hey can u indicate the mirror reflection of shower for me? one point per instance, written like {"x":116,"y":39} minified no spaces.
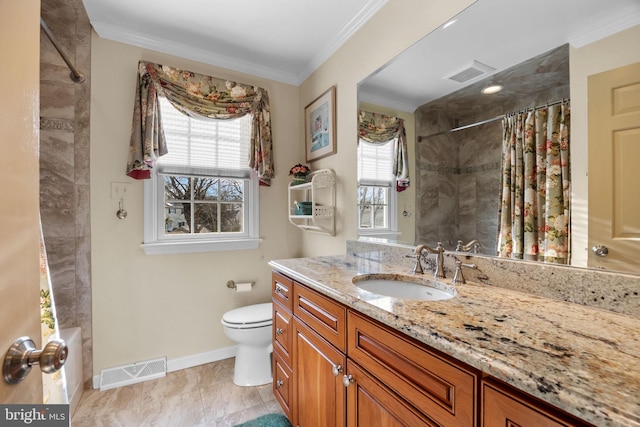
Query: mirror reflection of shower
{"x":458,"y":173}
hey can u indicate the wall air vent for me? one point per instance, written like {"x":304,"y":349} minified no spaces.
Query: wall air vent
{"x":473,"y":71}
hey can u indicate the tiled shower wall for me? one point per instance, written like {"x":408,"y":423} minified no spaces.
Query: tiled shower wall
{"x":458,"y":173}
{"x":64,"y":166}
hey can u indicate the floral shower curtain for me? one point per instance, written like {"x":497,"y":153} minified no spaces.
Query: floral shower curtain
{"x":54,"y":386}
{"x":195,"y":95}
{"x":534,"y":213}
{"x":378,"y":128}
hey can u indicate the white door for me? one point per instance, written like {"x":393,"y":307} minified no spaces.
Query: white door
{"x":614,"y":155}
{"x":19,"y":187}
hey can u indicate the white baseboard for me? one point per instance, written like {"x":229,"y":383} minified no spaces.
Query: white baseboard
{"x":200,"y":359}
{"x":189,"y":361}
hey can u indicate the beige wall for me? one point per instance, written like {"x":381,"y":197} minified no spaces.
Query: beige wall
{"x":152,"y":306}
{"x":395,"y":27}
{"x":171,"y":305}
{"x":612,"y":52}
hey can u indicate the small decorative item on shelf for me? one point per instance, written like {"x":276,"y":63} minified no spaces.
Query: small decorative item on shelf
{"x":303,"y":208}
{"x":299,"y":173}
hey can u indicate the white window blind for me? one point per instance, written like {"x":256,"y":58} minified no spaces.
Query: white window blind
{"x":201,"y":147}
{"x":374,"y":164}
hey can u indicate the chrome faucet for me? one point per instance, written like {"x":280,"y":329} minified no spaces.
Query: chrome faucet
{"x":473,"y":246}
{"x":438,"y":251}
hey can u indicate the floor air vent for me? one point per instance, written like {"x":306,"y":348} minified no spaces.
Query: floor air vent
{"x":470,"y":72}
{"x":133,"y":373}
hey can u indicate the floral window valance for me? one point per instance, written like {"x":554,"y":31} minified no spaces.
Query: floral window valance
{"x":195,"y":95}
{"x":378,"y":129}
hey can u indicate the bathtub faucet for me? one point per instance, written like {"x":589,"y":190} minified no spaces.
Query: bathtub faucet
{"x":438,"y":271}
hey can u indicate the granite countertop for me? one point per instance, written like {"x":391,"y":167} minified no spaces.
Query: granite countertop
{"x":583,"y":360}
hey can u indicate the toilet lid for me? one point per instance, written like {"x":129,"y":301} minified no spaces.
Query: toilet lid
{"x":250,"y":314}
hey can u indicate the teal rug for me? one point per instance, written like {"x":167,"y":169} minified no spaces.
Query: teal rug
{"x":269,"y":420}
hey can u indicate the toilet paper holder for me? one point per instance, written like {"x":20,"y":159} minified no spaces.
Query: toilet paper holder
{"x":232,"y":285}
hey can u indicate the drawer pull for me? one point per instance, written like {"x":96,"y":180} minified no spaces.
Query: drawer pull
{"x":279,"y":331}
{"x":337,"y":370}
{"x":347,"y":380}
{"x":279,"y":290}
{"x":279,"y":383}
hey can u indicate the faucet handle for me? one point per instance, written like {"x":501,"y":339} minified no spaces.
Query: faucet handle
{"x":458,"y":277}
{"x":417,"y":268}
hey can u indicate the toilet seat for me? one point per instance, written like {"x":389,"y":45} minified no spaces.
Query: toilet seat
{"x":248,"y":317}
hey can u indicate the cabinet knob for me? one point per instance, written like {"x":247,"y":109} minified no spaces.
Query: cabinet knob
{"x":278,"y":290}
{"x":279,"y":383}
{"x":279,"y":331}
{"x":347,"y":380}
{"x":337,"y":370}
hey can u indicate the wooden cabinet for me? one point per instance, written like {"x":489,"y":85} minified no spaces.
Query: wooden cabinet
{"x":282,"y":335}
{"x":445,"y":392}
{"x":336,"y":367}
{"x":502,"y":405}
{"x":309,"y":341}
{"x":283,"y":385}
{"x":317,"y":374}
{"x":371,"y":403}
{"x":281,"y":289}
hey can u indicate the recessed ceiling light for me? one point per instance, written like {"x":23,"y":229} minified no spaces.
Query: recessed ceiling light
{"x":492,"y":89}
{"x":449,"y":23}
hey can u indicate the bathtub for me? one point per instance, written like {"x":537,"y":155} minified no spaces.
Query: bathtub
{"x":73,"y":366}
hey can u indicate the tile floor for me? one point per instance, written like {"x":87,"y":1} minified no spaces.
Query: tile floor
{"x":203,"y":396}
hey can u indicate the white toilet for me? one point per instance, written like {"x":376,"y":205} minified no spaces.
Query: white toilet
{"x":250,"y":328}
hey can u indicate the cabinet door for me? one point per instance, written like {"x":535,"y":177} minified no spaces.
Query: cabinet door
{"x":320,"y":395}
{"x":504,"y":407}
{"x":371,"y":404}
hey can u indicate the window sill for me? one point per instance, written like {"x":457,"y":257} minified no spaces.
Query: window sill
{"x":392,"y":235}
{"x":167,"y":248}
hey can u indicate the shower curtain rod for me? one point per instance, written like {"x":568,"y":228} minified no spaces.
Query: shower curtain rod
{"x":76,"y":76}
{"x":493,"y":119}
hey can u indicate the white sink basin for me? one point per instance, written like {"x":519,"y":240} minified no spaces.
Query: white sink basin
{"x":404,"y":287}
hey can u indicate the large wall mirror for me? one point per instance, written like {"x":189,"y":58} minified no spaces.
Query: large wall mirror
{"x":541,"y":54}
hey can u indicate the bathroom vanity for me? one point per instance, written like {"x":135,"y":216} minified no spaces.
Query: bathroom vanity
{"x":488,"y":356}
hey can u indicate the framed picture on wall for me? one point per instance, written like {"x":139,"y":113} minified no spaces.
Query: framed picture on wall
{"x":320,"y":126}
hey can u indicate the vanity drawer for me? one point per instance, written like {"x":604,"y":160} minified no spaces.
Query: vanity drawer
{"x":504,"y":405}
{"x":325,"y":316}
{"x":282,"y":331}
{"x":281,"y":289}
{"x":282,"y":384}
{"x":443,"y":391}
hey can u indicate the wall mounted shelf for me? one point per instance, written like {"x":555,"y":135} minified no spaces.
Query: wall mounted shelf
{"x":320,"y":190}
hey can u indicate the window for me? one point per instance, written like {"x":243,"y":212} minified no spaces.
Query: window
{"x":377,"y":200}
{"x":201,"y":195}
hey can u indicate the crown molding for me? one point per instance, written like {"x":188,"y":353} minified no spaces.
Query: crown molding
{"x":368,"y":10}
{"x":135,"y":38}
{"x":605,"y":30}
{"x":374,"y":99}
{"x":128,"y":36}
